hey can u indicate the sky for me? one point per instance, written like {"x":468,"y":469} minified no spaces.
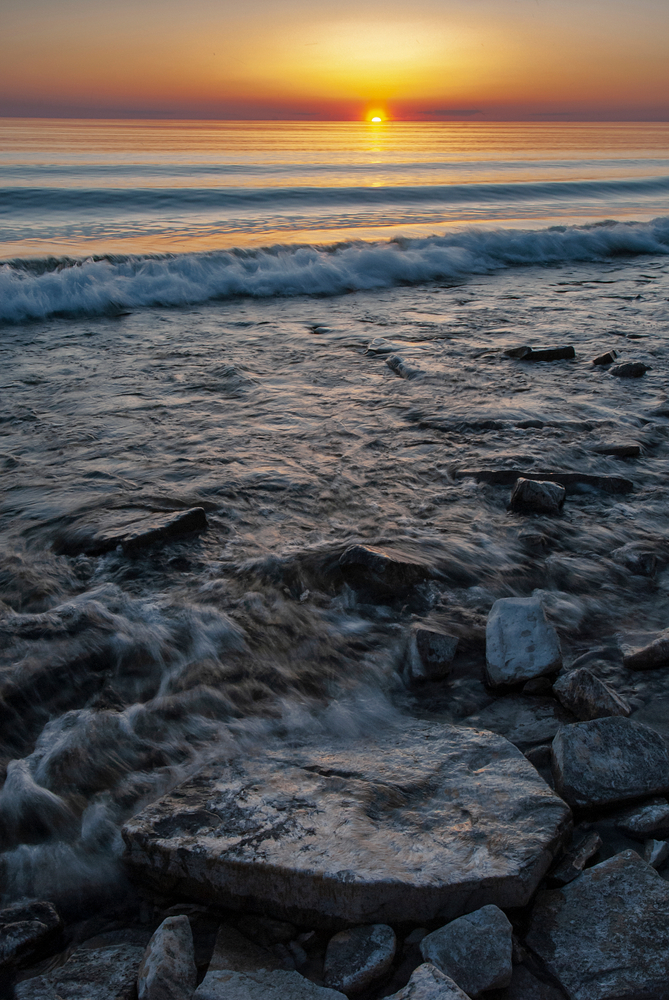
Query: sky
{"x":480,"y":60}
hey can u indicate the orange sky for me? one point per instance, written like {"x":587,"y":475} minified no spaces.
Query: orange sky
{"x":478,"y":59}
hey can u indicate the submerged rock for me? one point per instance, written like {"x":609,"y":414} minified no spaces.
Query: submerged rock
{"x":129,"y":531}
{"x":637,"y":558}
{"x":389,"y":829}
{"x":355,"y":958}
{"x":520,"y":643}
{"x":401,"y":368}
{"x":607,"y":761}
{"x":167,"y":971}
{"x":89,"y":974}
{"x":605,"y":359}
{"x":588,"y":697}
{"x":221,"y":984}
{"x":531,"y":495}
{"x":475,"y":950}
{"x":619,"y":450}
{"x":379,"y":571}
{"x":25,"y":928}
{"x":550,"y":354}
{"x":630,"y":369}
{"x":656,"y":654}
{"x":429,"y":983}
{"x":570,"y":480}
{"x":605,"y":936}
{"x":651,"y":820}
{"x":431,"y":654}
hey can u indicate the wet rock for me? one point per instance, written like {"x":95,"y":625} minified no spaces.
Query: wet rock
{"x":526,"y":986}
{"x":89,"y":974}
{"x":130,"y":531}
{"x":429,"y":983}
{"x":656,"y":852}
{"x":605,"y":359}
{"x":570,"y":480}
{"x":607,"y":761}
{"x":605,"y":936}
{"x":355,"y":958}
{"x":550,"y":354}
{"x":630,"y":369}
{"x":518,"y":352}
{"x":520,"y":643}
{"x":524,"y":721}
{"x":167,"y":971}
{"x":27,"y":928}
{"x":401,"y":368}
{"x":651,"y":820}
{"x":390,"y":829}
{"x":235,"y":952}
{"x":656,"y":654}
{"x":575,"y":859}
{"x":637,"y":558}
{"x":379,"y":571}
{"x":221,"y":984}
{"x":619,"y":450}
{"x":475,"y":950}
{"x":531,"y":495}
{"x":431,"y":654}
{"x":380,"y":346}
{"x":588,"y":697}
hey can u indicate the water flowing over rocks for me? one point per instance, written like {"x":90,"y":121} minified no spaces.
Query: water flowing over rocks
{"x":430,"y":654}
{"x":605,"y":936}
{"x":379,"y":572}
{"x":475,"y":950}
{"x":130,"y":531}
{"x":532,"y":495}
{"x":390,"y":829}
{"x":167,"y":971}
{"x":356,"y":957}
{"x":520,"y":643}
{"x":655,"y":654}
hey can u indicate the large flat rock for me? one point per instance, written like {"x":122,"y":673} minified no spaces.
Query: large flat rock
{"x":426,"y":822}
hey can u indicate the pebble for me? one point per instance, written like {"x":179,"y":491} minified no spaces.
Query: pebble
{"x":475,"y":950}
{"x":630,"y":369}
{"x":550,"y":354}
{"x":588,"y":697}
{"x":167,"y":971}
{"x":355,"y":958}
{"x":520,"y":642}
{"x":531,"y":495}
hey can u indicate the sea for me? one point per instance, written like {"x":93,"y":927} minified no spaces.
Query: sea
{"x":200,"y":315}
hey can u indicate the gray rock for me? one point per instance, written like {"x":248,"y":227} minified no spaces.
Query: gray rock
{"x":89,"y":974}
{"x":656,"y":852}
{"x":390,"y":829}
{"x":25,"y":928}
{"x":637,"y":558}
{"x":650,"y":820}
{"x":520,"y":643}
{"x":630,"y":369}
{"x":524,"y":720}
{"x":605,"y":936}
{"x":379,"y":571}
{"x":605,"y":359}
{"x":130,"y":531}
{"x":588,"y":697}
{"x":431,"y":654}
{"x":221,"y":984}
{"x":401,"y":368}
{"x":429,"y":983}
{"x":525,"y":986}
{"x":355,"y":958}
{"x":474,"y":950}
{"x":533,"y":496}
{"x":235,"y":952}
{"x":575,"y":859}
{"x":607,"y":761}
{"x":650,"y":657}
{"x":168,"y":971}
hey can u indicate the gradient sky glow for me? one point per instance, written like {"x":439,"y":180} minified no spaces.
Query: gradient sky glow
{"x":463,"y":59}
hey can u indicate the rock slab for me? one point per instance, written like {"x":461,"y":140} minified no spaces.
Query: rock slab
{"x":429,"y":983}
{"x":605,"y":936}
{"x":423,"y":822}
{"x":606,"y":761}
{"x":475,"y":950}
{"x":355,"y":958}
{"x":262,"y":985}
{"x":520,"y":643}
{"x":168,"y":971}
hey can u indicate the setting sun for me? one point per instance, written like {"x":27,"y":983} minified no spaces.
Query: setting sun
{"x":377,"y":119}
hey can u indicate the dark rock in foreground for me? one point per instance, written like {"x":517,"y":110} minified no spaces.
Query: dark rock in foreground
{"x":401,"y":368}
{"x":575,"y":860}
{"x":391,"y":829}
{"x":428,"y":983}
{"x":129,"y":531}
{"x":607,"y":761}
{"x":619,"y":450}
{"x":605,"y":936}
{"x":25,"y":928}
{"x":357,"y":957}
{"x":381,"y":572}
{"x":89,"y":974}
{"x":605,"y":359}
{"x":523,"y":720}
{"x":475,"y":950}
{"x":224,"y":984}
{"x":430,"y":654}
{"x":526,"y":353}
{"x":588,"y":697}
{"x":520,"y":642}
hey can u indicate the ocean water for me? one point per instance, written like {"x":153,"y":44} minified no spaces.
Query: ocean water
{"x":199,"y":315}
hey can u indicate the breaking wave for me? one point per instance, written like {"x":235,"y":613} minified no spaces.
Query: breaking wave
{"x":96,"y":286}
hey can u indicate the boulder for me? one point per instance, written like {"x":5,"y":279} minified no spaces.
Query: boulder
{"x":605,"y":359}
{"x":650,"y":657}
{"x":588,"y":697}
{"x":475,"y":950}
{"x":520,"y":643}
{"x":388,"y":829}
{"x":609,"y":760}
{"x":401,"y":368}
{"x":27,"y":928}
{"x":236,"y":953}
{"x":431,"y":654}
{"x":525,"y":721}
{"x":429,"y":983}
{"x":630,"y":369}
{"x":651,"y":820}
{"x":262,"y":985}
{"x":605,"y":936}
{"x":532,"y":496}
{"x":129,"y":531}
{"x":168,"y":971}
{"x":355,"y":958}
{"x":380,"y":572}
{"x":575,"y":859}
{"x":89,"y":974}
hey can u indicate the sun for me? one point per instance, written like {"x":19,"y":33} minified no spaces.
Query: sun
{"x":377,"y":118}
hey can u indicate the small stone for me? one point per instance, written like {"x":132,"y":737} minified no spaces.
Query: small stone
{"x":609,"y":760}
{"x":429,"y":983}
{"x":475,"y":950}
{"x":25,"y":928}
{"x":630,"y":369}
{"x":656,"y":852}
{"x":575,"y":860}
{"x":531,"y":495}
{"x":401,"y":368}
{"x":89,"y":974}
{"x":605,"y":936}
{"x":380,"y":571}
{"x":520,"y":643}
{"x":222,"y":984}
{"x":650,"y":820}
{"x":551,"y":354}
{"x":355,"y":958}
{"x":656,"y":654}
{"x":636,"y":558}
{"x":605,"y":359}
{"x":434,"y":654}
{"x":168,"y":970}
{"x":588,"y":697}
